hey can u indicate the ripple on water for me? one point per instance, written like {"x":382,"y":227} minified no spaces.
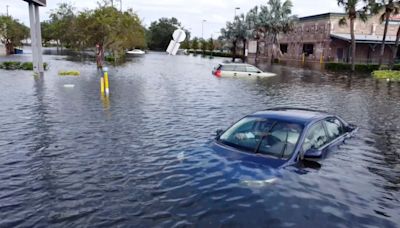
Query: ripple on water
{"x":140,"y":158}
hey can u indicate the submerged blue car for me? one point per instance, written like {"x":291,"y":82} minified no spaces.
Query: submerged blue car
{"x":282,"y":137}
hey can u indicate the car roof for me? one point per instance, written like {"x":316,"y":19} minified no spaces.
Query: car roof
{"x":296,"y":115}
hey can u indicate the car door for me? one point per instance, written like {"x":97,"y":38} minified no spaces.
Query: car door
{"x":253,"y":71}
{"x":316,"y":138}
{"x":240,"y":71}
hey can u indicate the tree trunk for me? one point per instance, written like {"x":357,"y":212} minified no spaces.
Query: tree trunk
{"x":234,"y":51}
{"x":387,"y":15}
{"x":257,"y":47}
{"x":9,"y":48}
{"x":396,"y":47}
{"x":353,"y":45}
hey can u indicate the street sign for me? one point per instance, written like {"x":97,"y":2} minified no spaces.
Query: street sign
{"x":178,"y":36}
{"x":37,"y":2}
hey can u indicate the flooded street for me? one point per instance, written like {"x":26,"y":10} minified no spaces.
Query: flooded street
{"x":70,"y":157}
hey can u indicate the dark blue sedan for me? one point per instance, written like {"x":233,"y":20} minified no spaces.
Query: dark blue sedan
{"x":283,"y":136}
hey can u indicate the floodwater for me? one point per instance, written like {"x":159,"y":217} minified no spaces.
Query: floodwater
{"x":70,"y":157}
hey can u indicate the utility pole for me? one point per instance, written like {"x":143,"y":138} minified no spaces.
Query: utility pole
{"x":202,"y":29}
{"x":7,"y":9}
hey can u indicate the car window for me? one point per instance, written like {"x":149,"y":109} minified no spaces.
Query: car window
{"x":252,"y":69}
{"x":282,"y":140}
{"x":315,"y":138}
{"x":334,"y":128}
{"x":265,"y":136}
{"x":228,"y":68}
{"x":240,"y":68}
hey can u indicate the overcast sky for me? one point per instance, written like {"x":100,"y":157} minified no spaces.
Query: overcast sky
{"x":190,"y":13}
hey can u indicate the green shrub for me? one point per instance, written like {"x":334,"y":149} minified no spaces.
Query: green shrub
{"x":347,"y":67}
{"x":387,"y":74}
{"x":19,"y":65}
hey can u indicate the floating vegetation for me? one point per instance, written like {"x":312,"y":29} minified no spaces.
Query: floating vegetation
{"x":69,"y":73}
{"x":392,"y":75}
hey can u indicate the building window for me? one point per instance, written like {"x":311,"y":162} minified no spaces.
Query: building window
{"x":284,"y":48}
{"x":308,"y":49}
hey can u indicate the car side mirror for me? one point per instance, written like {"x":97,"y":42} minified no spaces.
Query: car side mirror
{"x":312,"y":154}
{"x":218,"y":133}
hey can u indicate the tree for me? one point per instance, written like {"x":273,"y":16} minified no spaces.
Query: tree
{"x":204,"y":45}
{"x":389,"y":8}
{"x":210,"y":45}
{"x":160,"y":33}
{"x":12,"y":33}
{"x":195,"y":44}
{"x":228,"y":35}
{"x":254,"y":24}
{"x":350,"y":7}
{"x":276,"y":18}
{"x":235,"y":32}
{"x":60,"y":26}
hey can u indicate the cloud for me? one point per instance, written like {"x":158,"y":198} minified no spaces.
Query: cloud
{"x":189,"y":12}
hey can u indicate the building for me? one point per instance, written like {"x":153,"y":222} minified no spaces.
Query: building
{"x":320,"y":37}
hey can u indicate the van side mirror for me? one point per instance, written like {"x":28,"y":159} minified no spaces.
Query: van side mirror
{"x":312,"y":154}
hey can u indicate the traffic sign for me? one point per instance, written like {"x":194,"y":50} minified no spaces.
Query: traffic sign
{"x":37,"y":2}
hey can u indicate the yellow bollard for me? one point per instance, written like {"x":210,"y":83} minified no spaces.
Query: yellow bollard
{"x":102,"y":85}
{"x":106,"y":84}
{"x":321,"y":60}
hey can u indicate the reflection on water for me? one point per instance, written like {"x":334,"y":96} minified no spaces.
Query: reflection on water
{"x":71,"y":157}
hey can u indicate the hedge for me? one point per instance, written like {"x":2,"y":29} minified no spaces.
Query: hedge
{"x":19,"y":66}
{"x":213,"y":53}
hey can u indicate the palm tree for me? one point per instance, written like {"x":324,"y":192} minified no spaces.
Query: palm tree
{"x":253,"y":23}
{"x":396,"y":47}
{"x":228,"y":35}
{"x":350,"y":7}
{"x":234,"y":32}
{"x":276,"y":18}
{"x":390,"y":7}
{"x":242,"y":32}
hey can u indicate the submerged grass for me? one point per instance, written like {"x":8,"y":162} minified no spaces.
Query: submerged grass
{"x":387,"y":74}
{"x":69,"y":73}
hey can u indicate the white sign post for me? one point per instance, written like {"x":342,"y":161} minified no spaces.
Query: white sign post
{"x":36,"y":34}
{"x":178,"y":36}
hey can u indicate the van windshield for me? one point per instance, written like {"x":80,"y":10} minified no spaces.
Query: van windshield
{"x":263,"y":136}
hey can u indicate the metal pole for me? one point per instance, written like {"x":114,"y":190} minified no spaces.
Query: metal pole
{"x":236,"y":8}
{"x":33,"y":37}
{"x":202,"y":29}
{"x":7,"y":9}
{"x":39,"y":40}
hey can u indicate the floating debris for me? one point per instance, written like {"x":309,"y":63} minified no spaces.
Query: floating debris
{"x":69,"y":73}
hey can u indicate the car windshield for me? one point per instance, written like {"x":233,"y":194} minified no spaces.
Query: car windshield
{"x":263,"y":136}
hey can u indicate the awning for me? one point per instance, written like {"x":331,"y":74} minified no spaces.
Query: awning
{"x":365,"y":39}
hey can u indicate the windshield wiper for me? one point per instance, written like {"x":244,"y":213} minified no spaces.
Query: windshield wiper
{"x":286,"y":142}
{"x":263,"y":137}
